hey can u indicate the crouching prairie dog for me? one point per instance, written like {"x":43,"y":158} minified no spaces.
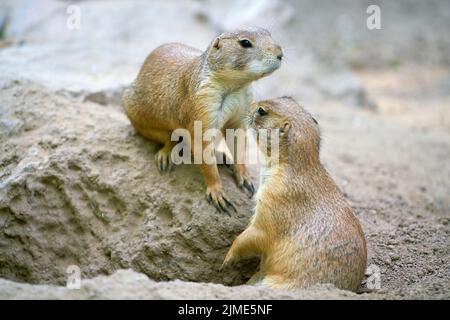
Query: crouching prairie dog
{"x":303,"y":228}
{"x":178,"y":85}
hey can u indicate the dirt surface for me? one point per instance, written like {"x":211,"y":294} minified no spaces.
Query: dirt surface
{"x":127,"y":284}
{"x":78,"y":186}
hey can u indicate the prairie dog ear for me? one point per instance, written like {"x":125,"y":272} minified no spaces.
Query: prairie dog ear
{"x":217,"y":44}
{"x":286,"y":126}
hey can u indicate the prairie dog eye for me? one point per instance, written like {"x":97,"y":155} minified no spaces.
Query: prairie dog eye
{"x":262,"y":112}
{"x":245,"y":43}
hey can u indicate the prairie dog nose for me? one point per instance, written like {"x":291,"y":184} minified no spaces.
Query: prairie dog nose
{"x":279,"y":52}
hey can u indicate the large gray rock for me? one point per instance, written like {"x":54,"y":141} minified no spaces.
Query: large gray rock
{"x":114,"y":38}
{"x":82,"y":188}
{"x":108,"y":49}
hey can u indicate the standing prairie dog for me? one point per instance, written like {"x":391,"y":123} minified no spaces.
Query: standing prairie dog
{"x":303,"y":228}
{"x":178,"y":85}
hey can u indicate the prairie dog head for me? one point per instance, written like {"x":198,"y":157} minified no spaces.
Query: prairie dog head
{"x":299,"y":135}
{"x":244,"y":55}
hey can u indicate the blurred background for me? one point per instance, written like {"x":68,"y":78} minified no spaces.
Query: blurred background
{"x":401,"y":69}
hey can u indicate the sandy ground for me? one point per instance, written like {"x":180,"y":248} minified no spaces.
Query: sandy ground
{"x":78,"y":186}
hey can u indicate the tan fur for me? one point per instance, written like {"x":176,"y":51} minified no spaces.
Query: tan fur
{"x":303,"y":228}
{"x":178,"y":85}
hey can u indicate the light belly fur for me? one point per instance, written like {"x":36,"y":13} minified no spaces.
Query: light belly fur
{"x":234,"y":106}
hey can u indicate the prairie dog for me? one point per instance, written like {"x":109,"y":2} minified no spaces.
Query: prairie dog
{"x":178,"y":85}
{"x":303,"y":228}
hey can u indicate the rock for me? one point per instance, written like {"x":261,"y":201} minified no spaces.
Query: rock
{"x":105,"y":97}
{"x":90,"y":63}
{"x":82,"y":188}
{"x":128,"y":284}
{"x":80,"y":60}
{"x":395,"y":257}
